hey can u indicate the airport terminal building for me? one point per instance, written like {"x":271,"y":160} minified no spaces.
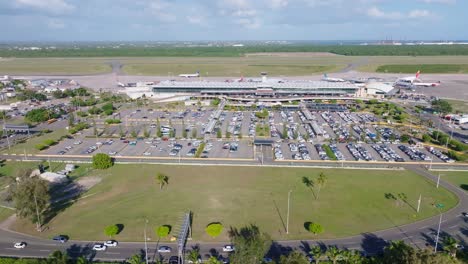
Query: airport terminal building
{"x":257,"y":89}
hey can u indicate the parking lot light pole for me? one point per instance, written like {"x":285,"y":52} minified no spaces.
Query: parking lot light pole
{"x":146,"y":244}
{"x":419,"y":203}
{"x":438,"y":180}
{"x":439,"y":206}
{"x":287,"y":218}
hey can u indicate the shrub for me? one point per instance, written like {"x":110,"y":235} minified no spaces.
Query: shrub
{"x":102,"y":161}
{"x":163,"y":231}
{"x":81,"y":114}
{"x":113,"y":121}
{"x":214,"y":229}
{"x":111,"y":230}
{"x":405,"y":138}
{"x":314,"y":228}
{"x":49,"y":142}
{"x":426,"y":138}
{"x":40,"y":147}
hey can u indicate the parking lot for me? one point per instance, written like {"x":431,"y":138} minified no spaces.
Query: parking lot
{"x":297,"y":134}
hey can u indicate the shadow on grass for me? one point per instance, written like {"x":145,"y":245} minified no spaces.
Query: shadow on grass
{"x":464,"y":186}
{"x":62,"y":196}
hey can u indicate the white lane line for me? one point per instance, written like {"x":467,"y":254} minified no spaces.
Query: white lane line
{"x":44,"y":250}
{"x":112,"y":253}
{"x":454,"y":226}
{"x":423,"y":227}
{"x":408,"y":237}
{"x":12,"y":249}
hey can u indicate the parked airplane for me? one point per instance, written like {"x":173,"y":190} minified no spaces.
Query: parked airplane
{"x":193,"y":75}
{"x":328,"y":79}
{"x":414,"y":81}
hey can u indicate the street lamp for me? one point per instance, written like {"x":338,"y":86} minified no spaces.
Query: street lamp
{"x":287,"y":217}
{"x":146,"y":244}
{"x":438,"y":206}
{"x":438,"y":180}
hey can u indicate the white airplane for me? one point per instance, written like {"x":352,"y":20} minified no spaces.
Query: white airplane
{"x":193,"y":75}
{"x":328,"y":79}
{"x":414,"y":81}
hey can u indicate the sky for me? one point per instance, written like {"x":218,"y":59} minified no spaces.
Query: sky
{"x":185,"y":20}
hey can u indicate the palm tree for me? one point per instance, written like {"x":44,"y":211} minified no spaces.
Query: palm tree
{"x":162,"y":180}
{"x":334,"y":254}
{"x":317,"y":252}
{"x":352,"y":257}
{"x":58,"y":257}
{"x":321,"y":180}
{"x":193,"y":255}
{"x":213,"y":260}
{"x":135,"y":259}
{"x":450,"y":245}
{"x":81,"y":260}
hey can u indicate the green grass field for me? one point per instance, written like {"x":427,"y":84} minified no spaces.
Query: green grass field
{"x":248,"y":67}
{"x":426,"y":68}
{"x":276,"y":64}
{"x":29,"y":145}
{"x":353,"y":201}
{"x":73,"y":66}
{"x":459,"y":106}
{"x":458,"y":178}
{"x":5,"y":213}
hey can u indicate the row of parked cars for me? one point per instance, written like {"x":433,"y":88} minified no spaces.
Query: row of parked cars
{"x":414,"y":154}
{"x":387,"y":153}
{"x":440,"y":155}
{"x":359,"y":152}
{"x":302,"y":151}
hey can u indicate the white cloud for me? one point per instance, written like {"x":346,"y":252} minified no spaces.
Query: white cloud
{"x":274,"y":4}
{"x":439,"y":1}
{"x":375,"y":12}
{"x":196,"y":19}
{"x":51,"y":6}
{"x":250,"y":23}
{"x":160,"y":9}
{"x":419,"y":13}
{"x":55,"y":24}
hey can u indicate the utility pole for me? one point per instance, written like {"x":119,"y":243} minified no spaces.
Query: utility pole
{"x":439,"y":206}
{"x":287,"y":218}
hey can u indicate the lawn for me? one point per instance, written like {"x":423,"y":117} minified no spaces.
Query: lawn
{"x":426,"y":68}
{"x":29,"y":145}
{"x":458,"y":178}
{"x":73,"y":66}
{"x":459,"y":106}
{"x":353,"y":201}
{"x":5,"y":213}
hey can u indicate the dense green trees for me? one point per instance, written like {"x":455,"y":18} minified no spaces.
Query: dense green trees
{"x":40,"y":115}
{"x":441,"y":106}
{"x":30,"y":196}
{"x":251,"y":245}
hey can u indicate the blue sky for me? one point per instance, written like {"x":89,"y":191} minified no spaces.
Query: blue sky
{"x":158,"y":20}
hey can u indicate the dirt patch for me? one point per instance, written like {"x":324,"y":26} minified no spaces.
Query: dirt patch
{"x":291,"y":54}
{"x":88,"y":182}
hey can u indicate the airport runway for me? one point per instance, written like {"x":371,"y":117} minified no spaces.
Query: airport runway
{"x":420,"y":234}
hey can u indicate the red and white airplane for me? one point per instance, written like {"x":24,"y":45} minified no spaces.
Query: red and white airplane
{"x":414,"y":81}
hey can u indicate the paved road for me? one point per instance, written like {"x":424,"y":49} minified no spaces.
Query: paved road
{"x":420,"y":235}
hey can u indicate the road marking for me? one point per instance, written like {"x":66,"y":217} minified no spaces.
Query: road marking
{"x":112,"y":253}
{"x":12,"y":248}
{"x":49,"y":244}
{"x":408,"y":237}
{"x":453,"y":226}
{"x":44,"y":250}
{"x":423,"y":227}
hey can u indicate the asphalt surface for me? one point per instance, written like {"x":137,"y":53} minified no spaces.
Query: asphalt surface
{"x":420,"y":234}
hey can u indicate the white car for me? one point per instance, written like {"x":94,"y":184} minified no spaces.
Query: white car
{"x":99,"y":247}
{"x":20,"y":245}
{"x":228,"y":248}
{"x":164,"y":249}
{"x":111,"y":243}
{"x":112,"y":152}
{"x":77,"y":142}
{"x":147,"y":153}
